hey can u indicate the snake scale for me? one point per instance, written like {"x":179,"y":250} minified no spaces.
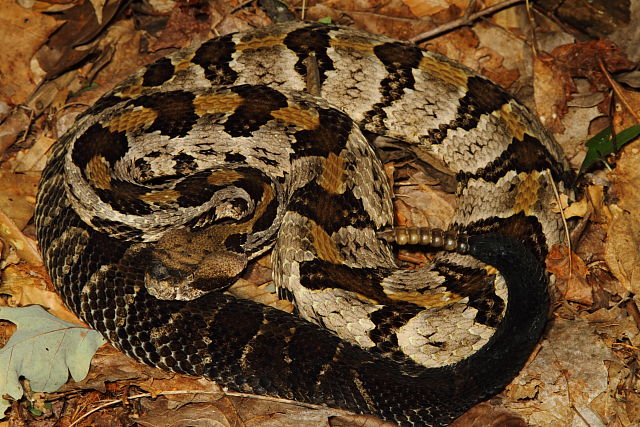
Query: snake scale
{"x":162,"y":192}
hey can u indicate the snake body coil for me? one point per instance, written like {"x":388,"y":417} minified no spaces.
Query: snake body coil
{"x":163,"y":191}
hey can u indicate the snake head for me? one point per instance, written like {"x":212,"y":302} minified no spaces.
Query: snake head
{"x":185,"y":265}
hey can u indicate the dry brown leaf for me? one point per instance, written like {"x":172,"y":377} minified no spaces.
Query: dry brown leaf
{"x":618,"y":401}
{"x":626,"y":107}
{"x":126,"y":59}
{"x":256,"y":412}
{"x":392,"y":18}
{"x":110,"y":365}
{"x":98,"y":6}
{"x":382,"y":8}
{"x":28,"y":284}
{"x":582,"y":59}
{"x":622,"y":251}
{"x":35,"y":158}
{"x":26,"y":247}
{"x":552,"y":89}
{"x":571,"y":275}
{"x":615,"y":325}
{"x":577,"y":209}
{"x":160,"y":412}
{"x":27,"y":30}
{"x":76,"y":406}
{"x":249,"y":412}
{"x":262,"y":294}
{"x":487,"y":414}
{"x":422,"y":206}
{"x":567,"y":374}
{"x":460,"y":45}
{"x":81,"y":27}
{"x":583,"y":110}
{"x":21,"y":118}
{"x":596,"y":198}
{"x":187,"y":24}
{"x":18,"y":196}
{"x":421,"y":8}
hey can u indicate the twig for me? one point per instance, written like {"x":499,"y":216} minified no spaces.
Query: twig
{"x":464,"y":21}
{"x":240,"y":6}
{"x":532,"y":23}
{"x":565,"y":376}
{"x":562,"y":216}
{"x":223,"y":392}
{"x":616,"y":88}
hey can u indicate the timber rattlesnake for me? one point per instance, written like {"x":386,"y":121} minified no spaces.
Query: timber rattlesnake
{"x":203,"y":160}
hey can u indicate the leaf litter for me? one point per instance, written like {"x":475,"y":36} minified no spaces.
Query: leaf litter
{"x":584,"y":371}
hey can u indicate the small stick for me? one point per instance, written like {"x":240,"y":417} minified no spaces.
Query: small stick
{"x":464,"y":21}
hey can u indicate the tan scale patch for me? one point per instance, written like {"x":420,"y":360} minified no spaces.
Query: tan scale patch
{"x":267,"y":196}
{"x":274,"y":40}
{"x":294,"y":114}
{"x":324,"y":245}
{"x":513,"y":122}
{"x":443,"y":71}
{"x":132,"y":90}
{"x":217,"y":103}
{"x":97,"y":173}
{"x":364,"y":298}
{"x":342,"y":43}
{"x":333,"y":177}
{"x":162,"y":196}
{"x":184,"y":64}
{"x":224,"y":177}
{"x":426,"y":300}
{"x":246,"y":227}
{"x":527,"y":192}
{"x":132,"y":120}
{"x":490,"y":270}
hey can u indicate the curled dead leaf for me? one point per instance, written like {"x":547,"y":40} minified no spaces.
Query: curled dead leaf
{"x":581,"y":59}
{"x":571,"y":274}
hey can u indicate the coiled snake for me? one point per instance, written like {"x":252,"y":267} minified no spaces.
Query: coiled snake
{"x":163,"y":191}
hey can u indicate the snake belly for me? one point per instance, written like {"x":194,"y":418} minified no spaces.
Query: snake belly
{"x":164,"y":190}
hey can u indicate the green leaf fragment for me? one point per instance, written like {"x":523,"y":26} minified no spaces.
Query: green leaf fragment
{"x":44,"y":349}
{"x":92,"y":86}
{"x":35,"y":411}
{"x":602,"y":145}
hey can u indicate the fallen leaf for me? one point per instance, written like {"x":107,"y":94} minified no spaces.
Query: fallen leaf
{"x":581,"y":59}
{"x":28,"y":30}
{"x":187,"y":24}
{"x":35,"y":158}
{"x":44,"y":349}
{"x":626,"y":108}
{"x":26,"y":247}
{"x":622,"y":251}
{"x":567,"y":374}
{"x":571,"y":275}
{"x":27,"y":284}
{"x":552,"y":90}
{"x":421,"y":8}
{"x":18,"y":196}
